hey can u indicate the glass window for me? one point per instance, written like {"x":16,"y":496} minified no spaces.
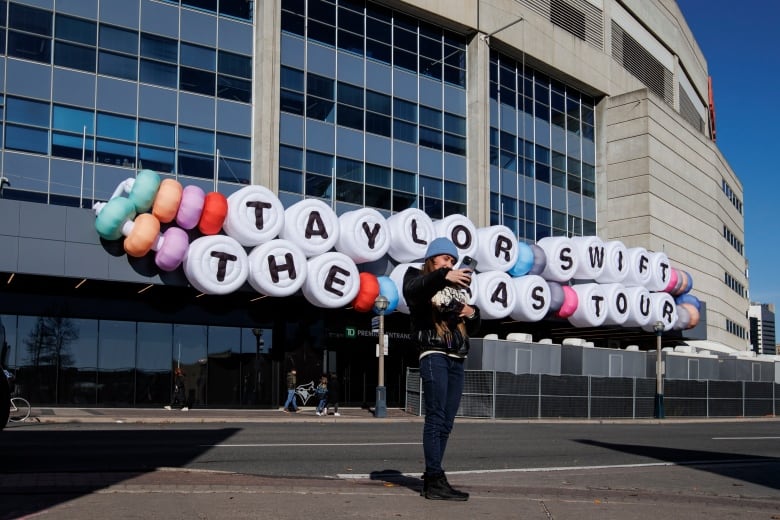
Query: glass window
{"x":117,"y":39}
{"x":29,"y":19}
{"x":454,"y":124}
{"x":350,"y":95}
{"x":72,"y":120}
{"x":350,"y":117}
{"x":350,"y":192}
{"x":323,"y":11}
{"x":237,"y":8}
{"x":292,"y":79}
{"x":160,"y":134}
{"x":234,"y":89}
{"x":26,"y":139}
{"x":351,"y":20}
{"x":319,"y":163}
{"x":378,"y":51}
{"x":234,"y":146}
{"x":380,"y":125}
{"x":291,"y":157}
{"x":405,"y":131}
{"x":291,"y":102}
{"x":29,"y":47}
{"x":291,"y":181}
{"x":377,"y":197}
{"x":198,"y":57}
{"x":153,"y":366}
{"x":74,"y":56}
{"x":114,"y":152}
{"x":378,"y":175}
{"x":156,"y":159}
{"x":322,"y":33}
{"x":430,"y":117}
{"x":377,"y":102}
{"x":27,"y":111}
{"x":118,"y":65}
{"x":157,"y":73}
{"x":75,"y":29}
{"x":404,"y":110}
{"x":196,"y":165}
{"x":318,"y":108}
{"x":318,"y":185}
{"x":189,"y":353}
{"x":349,"y":170}
{"x":159,"y":48}
{"x":430,"y":138}
{"x":206,"y":5}
{"x":196,"y":140}
{"x":198,"y":81}
{"x":292,"y":23}
{"x":235,"y":64}
{"x":319,"y":86}
{"x":404,"y":181}
{"x":233,"y":170}
{"x":72,"y":146}
{"x":350,"y":42}
{"x":116,"y":362}
{"x":116,"y":127}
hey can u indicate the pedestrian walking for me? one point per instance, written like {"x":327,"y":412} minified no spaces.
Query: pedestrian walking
{"x":441,"y":322}
{"x":334,"y":394}
{"x":321,"y":392}
{"x":179,"y":397}
{"x":292,"y":381}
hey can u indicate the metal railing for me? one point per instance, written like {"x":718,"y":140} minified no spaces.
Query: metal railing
{"x":502,"y":395}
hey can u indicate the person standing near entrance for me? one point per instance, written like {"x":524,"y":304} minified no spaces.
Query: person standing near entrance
{"x":292,"y":382}
{"x":441,"y":322}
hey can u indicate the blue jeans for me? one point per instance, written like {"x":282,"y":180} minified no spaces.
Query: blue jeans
{"x":290,"y":400}
{"x":442,"y":380}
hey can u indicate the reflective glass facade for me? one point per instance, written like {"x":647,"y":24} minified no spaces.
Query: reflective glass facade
{"x":94,"y":91}
{"x":542,"y":153}
{"x":373,"y":109}
{"x":77,"y":362}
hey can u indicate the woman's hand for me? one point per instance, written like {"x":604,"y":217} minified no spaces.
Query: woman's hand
{"x":460,"y":277}
{"x":467,"y":311}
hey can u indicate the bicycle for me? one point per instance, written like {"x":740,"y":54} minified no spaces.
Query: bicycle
{"x":20,"y":409}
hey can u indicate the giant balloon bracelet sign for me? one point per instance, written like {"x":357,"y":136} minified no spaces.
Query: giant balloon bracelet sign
{"x":336,"y":261}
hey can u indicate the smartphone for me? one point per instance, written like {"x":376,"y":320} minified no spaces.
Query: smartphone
{"x":468,"y":263}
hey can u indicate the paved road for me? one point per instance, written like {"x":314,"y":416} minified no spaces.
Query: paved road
{"x":215,"y":465}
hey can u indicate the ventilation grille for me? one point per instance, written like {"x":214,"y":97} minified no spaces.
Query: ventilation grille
{"x":688,"y":111}
{"x":641,"y":64}
{"x":577,"y":17}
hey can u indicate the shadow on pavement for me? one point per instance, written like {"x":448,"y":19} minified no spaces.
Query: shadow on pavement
{"x":396,"y":478}
{"x":92,"y":459}
{"x":747,"y":468}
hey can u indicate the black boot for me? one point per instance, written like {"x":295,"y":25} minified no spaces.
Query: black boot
{"x":425,"y":484}
{"x":437,"y":488}
{"x":455,"y":491}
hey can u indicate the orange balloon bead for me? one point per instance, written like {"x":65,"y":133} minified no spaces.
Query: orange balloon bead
{"x":146,"y":229}
{"x":167,"y":201}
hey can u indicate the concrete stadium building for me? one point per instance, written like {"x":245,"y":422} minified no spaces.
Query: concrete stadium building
{"x":550,"y":117}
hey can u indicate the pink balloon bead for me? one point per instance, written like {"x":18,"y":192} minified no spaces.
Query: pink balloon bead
{"x":174,"y":246}
{"x":192,"y":200}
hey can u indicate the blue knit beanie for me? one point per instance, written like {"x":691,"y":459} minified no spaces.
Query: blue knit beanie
{"x":441,"y":246}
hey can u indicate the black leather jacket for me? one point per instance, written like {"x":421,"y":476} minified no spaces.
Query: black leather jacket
{"x":418,"y":289}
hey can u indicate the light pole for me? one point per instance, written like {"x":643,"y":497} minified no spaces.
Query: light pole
{"x":659,"y":377}
{"x":380,"y":306}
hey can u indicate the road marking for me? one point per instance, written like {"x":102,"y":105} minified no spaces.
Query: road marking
{"x":744,"y":438}
{"x":562,"y":468}
{"x":303,"y":445}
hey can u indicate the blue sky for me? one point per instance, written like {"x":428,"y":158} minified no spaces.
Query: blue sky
{"x":739,"y":40}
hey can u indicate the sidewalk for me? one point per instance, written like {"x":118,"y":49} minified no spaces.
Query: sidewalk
{"x":204,"y":415}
